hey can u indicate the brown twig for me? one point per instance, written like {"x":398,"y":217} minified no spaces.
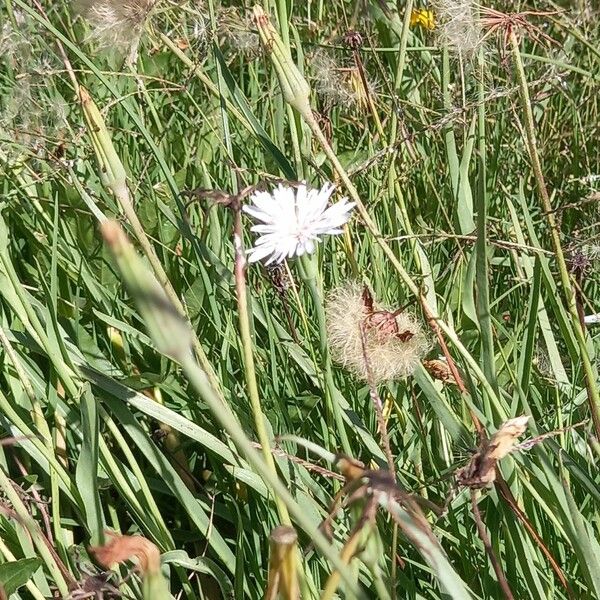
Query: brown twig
{"x":506,"y":493}
{"x":303,"y":463}
{"x":488,"y":547}
{"x":451,"y":364}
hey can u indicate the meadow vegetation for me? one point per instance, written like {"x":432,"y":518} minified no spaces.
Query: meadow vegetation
{"x":410,"y":409}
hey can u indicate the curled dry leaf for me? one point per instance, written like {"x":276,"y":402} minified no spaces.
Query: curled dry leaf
{"x":120,"y":548}
{"x":481,"y":470}
{"x":440,"y":370}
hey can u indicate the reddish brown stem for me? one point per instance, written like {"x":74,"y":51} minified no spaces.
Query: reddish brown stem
{"x":489,"y":549}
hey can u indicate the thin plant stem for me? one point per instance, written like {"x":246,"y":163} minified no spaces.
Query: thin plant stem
{"x":249,"y":367}
{"x":309,"y":272}
{"x":37,"y":415}
{"x":348,"y":551}
{"x":489,"y":548}
{"x":381,"y":423}
{"x":569,"y":292}
{"x":481,"y":245}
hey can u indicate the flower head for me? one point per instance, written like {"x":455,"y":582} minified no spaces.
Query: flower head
{"x":423,"y":17}
{"x":238,"y":31}
{"x":374,"y":343}
{"x":292,"y":220}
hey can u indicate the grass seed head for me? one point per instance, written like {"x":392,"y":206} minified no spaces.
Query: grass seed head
{"x":389,"y":357}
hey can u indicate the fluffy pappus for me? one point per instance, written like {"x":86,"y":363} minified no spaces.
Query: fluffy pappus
{"x":392,"y":352}
{"x":116,"y":23}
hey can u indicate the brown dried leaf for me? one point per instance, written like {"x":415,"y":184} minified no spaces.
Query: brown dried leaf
{"x":481,"y":470}
{"x":439,"y":369}
{"x":120,"y":548}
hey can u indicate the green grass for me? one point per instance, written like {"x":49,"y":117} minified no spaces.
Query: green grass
{"x":109,"y":423}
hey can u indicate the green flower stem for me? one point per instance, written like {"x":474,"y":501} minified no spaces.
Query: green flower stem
{"x":588,"y":369}
{"x":249,"y":367}
{"x":481,"y":245}
{"x":114,"y":177}
{"x":309,"y":273}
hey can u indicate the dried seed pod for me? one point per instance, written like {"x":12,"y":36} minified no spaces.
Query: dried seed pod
{"x":439,"y":369}
{"x":394,"y":342}
{"x":481,"y":470}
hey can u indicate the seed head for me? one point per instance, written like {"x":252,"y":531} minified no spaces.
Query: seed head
{"x":459,"y":27}
{"x":394,"y":342}
{"x":117,"y":23}
{"x":338,"y":85}
{"x":237,"y":29}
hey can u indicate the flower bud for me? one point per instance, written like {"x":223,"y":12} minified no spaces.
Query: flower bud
{"x":112,"y":171}
{"x":294,"y":87}
{"x":168,"y":329}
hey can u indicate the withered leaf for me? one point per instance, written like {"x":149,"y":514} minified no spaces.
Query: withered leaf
{"x":440,"y":370}
{"x":120,"y":548}
{"x":481,"y":470}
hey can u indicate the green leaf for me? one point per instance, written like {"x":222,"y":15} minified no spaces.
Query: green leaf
{"x":200,"y":565}
{"x":86,"y":472}
{"x":16,"y":574}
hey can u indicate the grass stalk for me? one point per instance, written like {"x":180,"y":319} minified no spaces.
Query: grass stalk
{"x":310,"y":273}
{"x":481,"y":246}
{"x":565,"y":278}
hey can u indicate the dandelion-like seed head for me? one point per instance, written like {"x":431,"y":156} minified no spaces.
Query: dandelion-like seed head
{"x":392,"y":352}
{"x":117,"y":23}
{"x":292,"y":220}
{"x":29,"y":108}
{"x":338,"y":85}
{"x":238,"y":30}
{"x":459,"y":27}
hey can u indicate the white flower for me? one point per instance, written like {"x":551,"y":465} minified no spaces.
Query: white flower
{"x":293,"y":219}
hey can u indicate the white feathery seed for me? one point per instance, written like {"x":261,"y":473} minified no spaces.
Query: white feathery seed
{"x":388,"y":356}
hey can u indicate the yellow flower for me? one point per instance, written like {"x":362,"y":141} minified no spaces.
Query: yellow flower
{"x":422,"y":17}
